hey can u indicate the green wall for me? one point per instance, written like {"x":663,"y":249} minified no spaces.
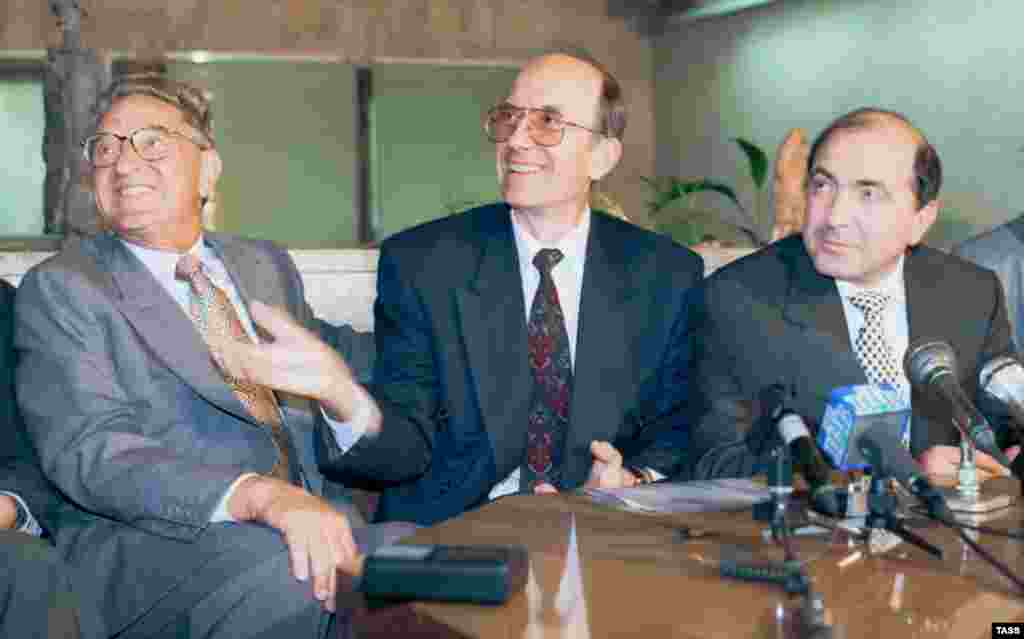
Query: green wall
{"x":429,"y":154}
{"x":953,"y":67}
{"x":286,"y":133}
{"x":21,"y":178}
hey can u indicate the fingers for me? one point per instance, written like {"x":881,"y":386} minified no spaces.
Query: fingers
{"x":605,"y":452}
{"x":1012,"y":452}
{"x":989,"y":464}
{"x":276,"y":322}
{"x":544,"y":488}
{"x":318,"y":546}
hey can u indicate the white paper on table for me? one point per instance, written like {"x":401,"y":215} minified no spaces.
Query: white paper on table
{"x":684,"y":497}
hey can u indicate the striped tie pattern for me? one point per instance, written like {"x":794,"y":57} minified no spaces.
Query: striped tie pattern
{"x":216,"y":318}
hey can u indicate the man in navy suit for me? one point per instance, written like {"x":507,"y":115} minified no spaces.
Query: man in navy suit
{"x":470,"y":332}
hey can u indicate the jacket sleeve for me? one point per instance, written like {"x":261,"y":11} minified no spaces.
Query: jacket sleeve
{"x":405,"y":386}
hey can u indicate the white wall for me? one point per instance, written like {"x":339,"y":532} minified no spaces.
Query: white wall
{"x":952,"y":66}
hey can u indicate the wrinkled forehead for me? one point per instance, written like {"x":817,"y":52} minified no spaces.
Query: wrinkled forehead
{"x":567,"y":84}
{"x":883,"y":152}
{"x":132,"y":112}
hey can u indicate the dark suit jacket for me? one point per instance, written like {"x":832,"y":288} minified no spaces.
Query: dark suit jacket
{"x":772,"y":318}
{"x":452,"y":376}
{"x":130,"y":417}
{"x":1002,"y":250}
{"x":19,"y":469}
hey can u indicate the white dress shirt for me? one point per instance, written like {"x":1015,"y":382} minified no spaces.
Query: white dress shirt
{"x":568,"y":278}
{"x":894,"y":321}
{"x":162,"y":265}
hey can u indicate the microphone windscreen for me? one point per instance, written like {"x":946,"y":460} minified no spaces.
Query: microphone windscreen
{"x":852,"y":409}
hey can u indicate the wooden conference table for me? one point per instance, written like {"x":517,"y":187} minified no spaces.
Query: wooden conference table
{"x":600,"y":572}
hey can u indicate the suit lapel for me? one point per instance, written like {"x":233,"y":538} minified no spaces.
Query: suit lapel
{"x":166,"y":330}
{"x":925,"y":296}
{"x":608,"y":316}
{"x":492,"y":321}
{"x":813,"y":305}
{"x":239,"y":258}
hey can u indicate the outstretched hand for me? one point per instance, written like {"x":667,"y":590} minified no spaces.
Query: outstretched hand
{"x":292,"y":360}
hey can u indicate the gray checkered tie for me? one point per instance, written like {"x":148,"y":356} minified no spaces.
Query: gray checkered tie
{"x":871,"y":346}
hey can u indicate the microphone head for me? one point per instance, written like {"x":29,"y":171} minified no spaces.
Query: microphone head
{"x":925,"y":358}
{"x":1002,"y":377}
{"x":828,"y":501}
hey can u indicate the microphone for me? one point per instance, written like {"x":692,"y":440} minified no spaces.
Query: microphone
{"x":887,"y":457}
{"x":806,"y":458}
{"x":809,"y":463}
{"x":1001,"y":380}
{"x":931,"y":364}
{"x":853,"y":409}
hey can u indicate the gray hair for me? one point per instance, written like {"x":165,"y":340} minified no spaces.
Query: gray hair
{"x":191,"y":101}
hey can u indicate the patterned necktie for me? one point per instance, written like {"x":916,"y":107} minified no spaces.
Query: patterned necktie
{"x":215,"y":317}
{"x":872,"y":347}
{"x":551,"y":367}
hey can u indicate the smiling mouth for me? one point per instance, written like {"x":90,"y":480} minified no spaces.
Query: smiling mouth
{"x":835,"y":246}
{"x":517,"y":167}
{"x":138,"y":189}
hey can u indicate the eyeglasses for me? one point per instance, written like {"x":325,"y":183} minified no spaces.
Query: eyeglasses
{"x":545,"y":127}
{"x":151,"y":143}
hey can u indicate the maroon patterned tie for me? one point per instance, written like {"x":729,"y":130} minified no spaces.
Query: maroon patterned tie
{"x":215,"y":317}
{"x":551,"y":367}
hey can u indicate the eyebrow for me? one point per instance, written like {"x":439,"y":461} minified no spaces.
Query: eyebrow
{"x":549,"y":108}
{"x":861,"y":183}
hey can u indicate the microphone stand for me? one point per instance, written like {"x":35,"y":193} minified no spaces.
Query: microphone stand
{"x":882,"y":515}
{"x":812,"y":623}
{"x":967,"y":485}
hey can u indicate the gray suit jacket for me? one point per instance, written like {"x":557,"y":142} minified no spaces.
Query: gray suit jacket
{"x":1002,"y":250}
{"x":771,"y":318}
{"x":131,"y":419}
{"x":19,"y":470}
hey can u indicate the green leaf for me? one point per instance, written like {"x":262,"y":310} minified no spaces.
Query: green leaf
{"x":697,"y":186}
{"x":758,"y":161}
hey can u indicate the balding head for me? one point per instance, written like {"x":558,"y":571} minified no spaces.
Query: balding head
{"x":927,"y":169}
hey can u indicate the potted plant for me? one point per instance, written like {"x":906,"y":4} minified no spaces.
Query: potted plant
{"x":673,"y":209}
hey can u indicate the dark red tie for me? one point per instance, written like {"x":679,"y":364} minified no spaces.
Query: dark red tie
{"x":551,"y":366}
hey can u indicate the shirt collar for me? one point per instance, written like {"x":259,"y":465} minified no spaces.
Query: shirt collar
{"x":573,"y":244}
{"x":891,"y":284}
{"x":160,"y":261}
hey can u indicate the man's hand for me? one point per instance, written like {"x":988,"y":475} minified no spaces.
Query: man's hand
{"x":296,"y":361}
{"x":945,"y":460}
{"x":606,"y":472}
{"x":319,"y":538}
{"x":8,"y":512}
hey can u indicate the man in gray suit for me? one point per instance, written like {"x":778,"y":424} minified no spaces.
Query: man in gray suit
{"x":40,"y":596}
{"x":198,"y":504}
{"x":1002,"y":250}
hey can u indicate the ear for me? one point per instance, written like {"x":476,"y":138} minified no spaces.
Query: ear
{"x":923,"y":220}
{"x":209,"y":172}
{"x":604,"y":156}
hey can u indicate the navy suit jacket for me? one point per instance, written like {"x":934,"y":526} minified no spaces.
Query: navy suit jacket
{"x":452,"y":376}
